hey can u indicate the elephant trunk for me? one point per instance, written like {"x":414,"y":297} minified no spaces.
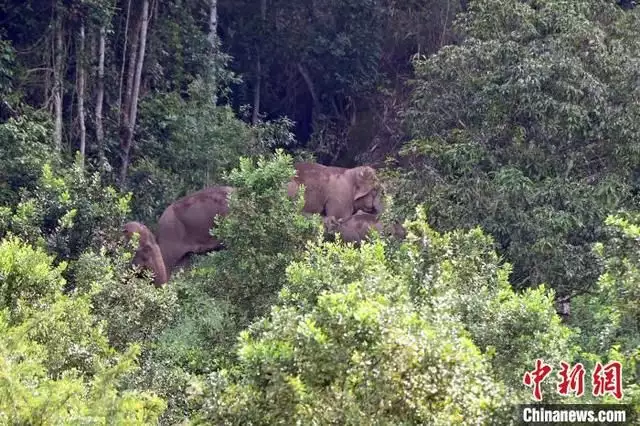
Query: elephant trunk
{"x":161,"y":275}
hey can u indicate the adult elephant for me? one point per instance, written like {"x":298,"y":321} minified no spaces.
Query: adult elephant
{"x":184,"y":227}
{"x":337,"y":191}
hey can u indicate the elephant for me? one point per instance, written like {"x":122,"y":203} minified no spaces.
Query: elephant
{"x":356,"y":227}
{"x":148,"y":254}
{"x":184,"y":227}
{"x":337,"y":191}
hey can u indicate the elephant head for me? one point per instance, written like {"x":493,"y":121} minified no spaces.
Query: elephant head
{"x":184,"y":227}
{"x":148,"y":254}
{"x":337,"y":191}
{"x":353,"y":229}
{"x":370,"y":203}
{"x":357,"y":227}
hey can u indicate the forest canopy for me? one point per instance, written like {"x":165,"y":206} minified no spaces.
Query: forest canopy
{"x":503,"y":140}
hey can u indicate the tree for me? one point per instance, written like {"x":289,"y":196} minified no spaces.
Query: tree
{"x":134,"y":79}
{"x":527,"y":128}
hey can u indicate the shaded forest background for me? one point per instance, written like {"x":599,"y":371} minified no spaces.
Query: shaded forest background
{"x":507,"y":134}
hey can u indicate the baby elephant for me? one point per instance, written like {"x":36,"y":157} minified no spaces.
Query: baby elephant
{"x":354,"y":228}
{"x":357,"y":227}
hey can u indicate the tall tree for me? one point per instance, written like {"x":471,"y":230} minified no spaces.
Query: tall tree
{"x":100,"y":94}
{"x":213,"y":22}
{"x":258,"y":81}
{"x":133,"y":90}
{"x":528,"y":128}
{"x":81,"y":70}
{"x":58,"y":78}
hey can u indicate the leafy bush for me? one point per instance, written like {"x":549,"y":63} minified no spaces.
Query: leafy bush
{"x":54,"y":357}
{"x":133,"y":310}
{"x":263,"y":232}
{"x":72,"y":211}
{"x":26,"y":278}
{"x":458,"y":274}
{"x":347,"y":345}
{"x":607,"y":319}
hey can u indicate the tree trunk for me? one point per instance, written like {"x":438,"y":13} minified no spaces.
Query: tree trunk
{"x":81,"y":86}
{"x":256,"y":94}
{"x":100,"y":96}
{"x":309,"y":82}
{"x":124,"y":60}
{"x":213,"y":40}
{"x":131,"y":72}
{"x":133,"y":110}
{"x":213,"y":22}
{"x":58,"y":82}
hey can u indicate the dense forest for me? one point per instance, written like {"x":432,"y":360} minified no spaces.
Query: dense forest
{"x":505,"y":139}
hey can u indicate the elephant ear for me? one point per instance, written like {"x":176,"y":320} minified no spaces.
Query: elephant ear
{"x":366,"y":181}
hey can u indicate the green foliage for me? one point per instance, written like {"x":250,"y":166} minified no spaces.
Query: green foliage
{"x":27,"y":280}
{"x":608,"y":319}
{"x":29,"y":396}
{"x":133,"y":311}
{"x":347,"y":345}
{"x":458,"y":274}
{"x":262,"y":233}
{"x":192,"y":143}
{"x":71,"y":210}
{"x":25,"y":146}
{"x":193,"y":340}
{"x":54,"y":358}
{"x":528,"y":128}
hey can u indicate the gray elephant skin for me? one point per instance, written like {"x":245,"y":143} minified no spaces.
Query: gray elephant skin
{"x":148,"y":254}
{"x":337,"y":191}
{"x":357,"y":227}
{"x":183,"y":229}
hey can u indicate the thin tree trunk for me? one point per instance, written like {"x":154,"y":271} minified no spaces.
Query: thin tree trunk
{"x":100,"y":96}
{"x":213,"y":40}
{"x":48,"y":86}
{"x":124,"y":58}
{"x":58,"y":83}
{"x":131,"y":72}
{"x":136,"y":91}
{"x":213,"y":22}
{"x":256,"y":94}
{"x":81,"y":86}
{"x":309,"y":82}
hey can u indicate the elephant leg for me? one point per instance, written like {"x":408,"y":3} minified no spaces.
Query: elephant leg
{"x":211,"y":244}
{"x":340,"y":209}
{"x":184,"y":261}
